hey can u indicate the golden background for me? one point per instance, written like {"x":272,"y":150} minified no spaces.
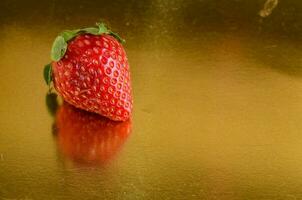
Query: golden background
{"x":217,"y":101}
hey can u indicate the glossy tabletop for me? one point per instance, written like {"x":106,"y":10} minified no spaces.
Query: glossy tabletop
{"x":217,"y":103}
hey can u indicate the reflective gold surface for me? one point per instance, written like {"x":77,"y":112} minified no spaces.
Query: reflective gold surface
{"x":217,"y":103}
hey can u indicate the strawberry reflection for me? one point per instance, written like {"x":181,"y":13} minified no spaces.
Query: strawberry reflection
{"x":88,"y":138}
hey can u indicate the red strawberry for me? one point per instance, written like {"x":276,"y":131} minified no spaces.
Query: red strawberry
{"x":89,"y":138}
{"x":90,"y":70}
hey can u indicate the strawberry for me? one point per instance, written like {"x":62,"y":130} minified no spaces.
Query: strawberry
{"x":90,"y":70}
{"x":88,"y":138}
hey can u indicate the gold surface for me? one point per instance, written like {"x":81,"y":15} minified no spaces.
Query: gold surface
{"x":217,"y":102}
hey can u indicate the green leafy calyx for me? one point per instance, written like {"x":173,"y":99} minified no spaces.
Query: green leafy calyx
{"x":47,"y":74}
{"x":59,"y":46}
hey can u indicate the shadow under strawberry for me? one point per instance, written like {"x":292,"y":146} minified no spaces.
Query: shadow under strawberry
{"x":87,"y":138}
